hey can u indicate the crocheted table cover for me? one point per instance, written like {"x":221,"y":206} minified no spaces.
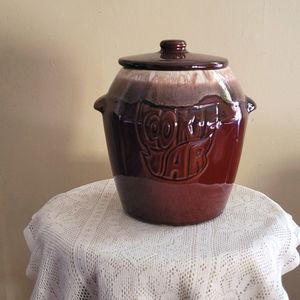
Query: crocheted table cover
{"x":83,"y":246}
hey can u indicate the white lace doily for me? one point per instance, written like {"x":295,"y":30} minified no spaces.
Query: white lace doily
{"x":83,"y":246}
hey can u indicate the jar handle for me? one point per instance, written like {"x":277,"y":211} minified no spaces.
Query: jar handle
{"x":250,"y":104}
{"x":100,"y":104}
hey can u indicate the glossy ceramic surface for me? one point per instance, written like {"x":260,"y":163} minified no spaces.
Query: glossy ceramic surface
{"x":175,"y":140}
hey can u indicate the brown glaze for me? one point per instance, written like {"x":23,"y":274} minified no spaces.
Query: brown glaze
{"x":174,"y":162}
{"x":174,"y":165}
{"x":173,"y":56}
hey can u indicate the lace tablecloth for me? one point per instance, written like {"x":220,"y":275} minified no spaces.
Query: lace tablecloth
{"x":83,"y":246}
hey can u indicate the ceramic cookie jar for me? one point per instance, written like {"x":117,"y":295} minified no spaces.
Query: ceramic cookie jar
{"x":174,"y":123}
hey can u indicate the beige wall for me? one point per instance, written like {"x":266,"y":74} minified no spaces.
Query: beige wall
{"x":57,"y":57}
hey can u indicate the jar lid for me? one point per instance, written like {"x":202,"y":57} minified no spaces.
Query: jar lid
{"x":173,"y":56}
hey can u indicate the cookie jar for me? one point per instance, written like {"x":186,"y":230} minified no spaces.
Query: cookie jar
{"x":174,"y":124}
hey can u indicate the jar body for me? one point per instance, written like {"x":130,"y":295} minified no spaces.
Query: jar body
{"x":174,"y":141}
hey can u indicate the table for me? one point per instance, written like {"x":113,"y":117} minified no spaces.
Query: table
{"x":83,"y":246}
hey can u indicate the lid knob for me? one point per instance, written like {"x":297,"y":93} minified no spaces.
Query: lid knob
{"x":171,"y":46}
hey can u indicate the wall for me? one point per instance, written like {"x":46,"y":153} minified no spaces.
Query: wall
{"x":57,"y":57}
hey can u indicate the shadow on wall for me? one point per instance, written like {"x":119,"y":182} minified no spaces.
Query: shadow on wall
{"x":40,"y":96}
{"x":283,"y":187}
